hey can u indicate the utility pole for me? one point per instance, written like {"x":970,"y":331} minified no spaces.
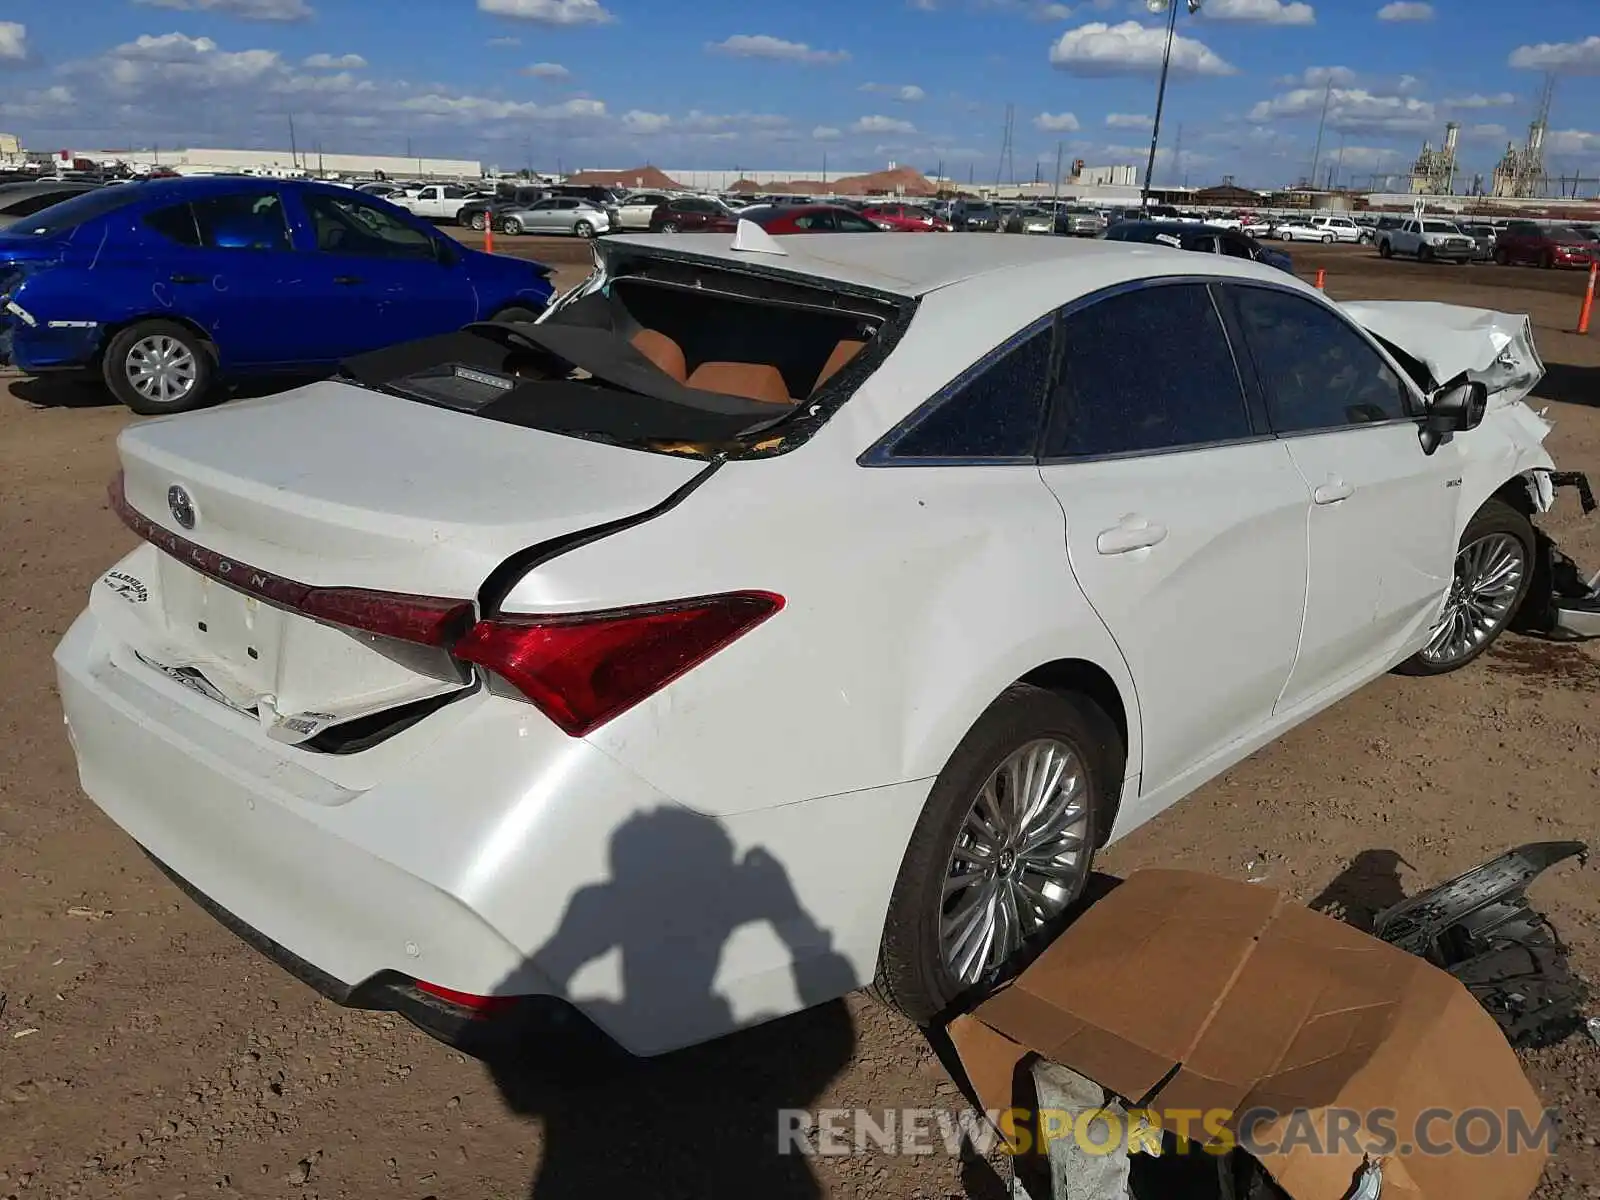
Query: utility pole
{"x":294,"y":152}
{"x":1177,"y":154}
{"x":1316,"y":155}
{"x":824,"y":168}
{"x":1339,"y":166}
{"x":1057,"y":203}
{"x":1005,"y":150}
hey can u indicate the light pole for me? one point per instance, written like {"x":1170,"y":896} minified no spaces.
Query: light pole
{"x":1171,"y":9}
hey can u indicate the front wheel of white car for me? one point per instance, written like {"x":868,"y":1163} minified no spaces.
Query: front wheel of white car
{"x":1002,"y":848}
{"x":1492,"y":571}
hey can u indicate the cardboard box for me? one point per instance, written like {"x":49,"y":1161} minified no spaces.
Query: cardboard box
{"x":1202,"y":999}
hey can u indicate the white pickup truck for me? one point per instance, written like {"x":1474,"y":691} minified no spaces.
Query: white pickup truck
{"x":435,"y":202}
{"x":1427,"y":240}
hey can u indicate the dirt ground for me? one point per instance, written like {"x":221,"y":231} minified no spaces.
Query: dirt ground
{"x":145,"y":1052}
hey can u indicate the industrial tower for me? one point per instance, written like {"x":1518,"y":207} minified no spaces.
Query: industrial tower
{"x":1521,"y":173}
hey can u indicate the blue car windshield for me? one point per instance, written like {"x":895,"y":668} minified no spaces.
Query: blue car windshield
{"x":62,"y":218}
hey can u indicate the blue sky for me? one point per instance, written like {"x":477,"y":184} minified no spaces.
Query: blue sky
{"x":713,"y":84}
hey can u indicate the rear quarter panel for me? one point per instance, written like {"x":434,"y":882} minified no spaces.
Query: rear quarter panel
{"x":914,"y":596}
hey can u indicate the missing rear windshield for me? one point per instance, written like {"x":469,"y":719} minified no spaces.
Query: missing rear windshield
{"x":668,"y":355}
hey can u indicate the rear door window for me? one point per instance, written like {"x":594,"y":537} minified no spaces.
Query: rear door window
{"x":252,"y":220}
{"x":1145,"y":371}
{"x":347,"y":225}
{"x":175,"y":223}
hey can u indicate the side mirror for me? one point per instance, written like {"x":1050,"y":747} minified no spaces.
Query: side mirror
{"x":1453,"y":411}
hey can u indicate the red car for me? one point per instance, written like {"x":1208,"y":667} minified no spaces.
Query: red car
{"x":808,"y":218}
{"x":1543,"y":246}
{"x":693,"y":214}
{"x":904,"y":218}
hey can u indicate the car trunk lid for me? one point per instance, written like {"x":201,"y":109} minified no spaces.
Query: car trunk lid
{"x":313,"y":554}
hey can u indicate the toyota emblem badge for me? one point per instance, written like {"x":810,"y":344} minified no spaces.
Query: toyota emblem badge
{"x":182,"y":507}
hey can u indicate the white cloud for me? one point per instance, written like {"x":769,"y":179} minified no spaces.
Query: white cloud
{"x":1054,"y":12}
{"x":1132,"y":49}
{"x":1408,"y":83}
{"x":335,"y":62}
{"x":1572,"y":141}
{"x":761,"y":45}
{"x":1351,"y":110}
{"x":245,"y":10}
{"x":1056,"y":122}
{"x":501,"y":42}
{"x":1487,"y":133}
{"x":13,"y":42}
{"x":638,"y":121}
{"x":1318,"y":77}
{"x":1129,"y":121}
{"x":879,"y":124}
{"x":1476,"y":100}
{"x":908,"y":92}
{"x":476,"y":108}
{"x":1261,"y":12}
{"x":826,"y":133}
{"x":922,"y":5}
{"x":547,"y":70}
{"x":550,"y":12}
{"x":1406,"y":10}
{"x":1580,"y":58}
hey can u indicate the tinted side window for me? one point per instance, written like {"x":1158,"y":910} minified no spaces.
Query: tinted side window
{"x":346,"y":225}
{"x":994,"y":414}
{"x":1236,"y":247}
{"x":175,"y":223}
{"x":1145,"y":370}
{"x":33,"y":204}
{"x":242,"y":221}
{"x":1318,"y":372}
{"x":850,"y":223}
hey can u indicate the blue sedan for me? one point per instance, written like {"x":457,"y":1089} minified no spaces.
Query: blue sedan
{"x":172,"y":287}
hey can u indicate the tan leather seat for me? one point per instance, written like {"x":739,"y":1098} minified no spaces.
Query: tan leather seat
{"x":842,"y":354}
{"x":663,"y":351}
{"x":754,"y":381}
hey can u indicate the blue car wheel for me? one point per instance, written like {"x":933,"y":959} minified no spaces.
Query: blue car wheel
{"x":157,"y":367}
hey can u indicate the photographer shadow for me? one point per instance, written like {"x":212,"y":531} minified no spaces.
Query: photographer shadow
{"x":693,"y":1123}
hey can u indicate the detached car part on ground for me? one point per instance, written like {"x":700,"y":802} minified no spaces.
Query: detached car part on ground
{"x":657,"y":666}
{"x":171,"y":289}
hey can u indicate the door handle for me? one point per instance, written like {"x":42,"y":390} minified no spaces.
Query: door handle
{"x":187,"y":278}
{"x":347,"y":280}
{"x":1131,"y":533}
{"x":1333,"y":491}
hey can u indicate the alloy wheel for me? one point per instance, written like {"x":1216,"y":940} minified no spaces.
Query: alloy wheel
{"x":1021,"y":856}
{"x":1488,"y":578}
{"x":161,"y":369}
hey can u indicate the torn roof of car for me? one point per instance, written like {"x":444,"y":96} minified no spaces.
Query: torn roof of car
{"x":916,"y":264}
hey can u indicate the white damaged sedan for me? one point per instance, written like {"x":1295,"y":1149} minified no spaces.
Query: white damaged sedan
{"x":774,"y":619}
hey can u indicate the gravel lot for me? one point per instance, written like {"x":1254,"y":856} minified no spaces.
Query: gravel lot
{"x":144,"y":1052}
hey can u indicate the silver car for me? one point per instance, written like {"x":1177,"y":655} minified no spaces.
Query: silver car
{"x":558,"y":214}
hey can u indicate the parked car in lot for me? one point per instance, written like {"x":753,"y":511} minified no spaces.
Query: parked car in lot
{"x":477,"y":214}
{"x":471,"y":713}
{"x":435,"y":202}
{"x":1484,"y":239}
{"x":172,"y":288}
{"x":1030,"y":220}
{"x":19,"y":201}
{"x":556,"y":215}
{"x":1426,"y":240}
{"x":694,"y":214}
{"x":1299,"y":229}
{"x":1524,"y":242}
{"x":1337,"y":229}
{"x":1079,"y":222}
{"x":904,"y":218}
{"x":808,"y":218}
{"x":1206,"y":239}
{"x":974,"y":216}
{"x":637,"y":209}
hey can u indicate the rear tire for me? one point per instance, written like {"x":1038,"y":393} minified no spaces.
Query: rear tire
{"x":1327,"y":239}
{"x":157,"y":367}
{"x":669,"y":227}
{"x":512,"y":226}
{"x":1498,"y":543}
{"x":915,"y":972}
{"x":584,"y":230}
{"x":1385,"y":250}
{"x":1502,"y":258}
{"x":477,"y":222}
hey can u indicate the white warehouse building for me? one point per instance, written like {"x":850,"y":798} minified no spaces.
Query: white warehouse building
{"x":201,"y":161}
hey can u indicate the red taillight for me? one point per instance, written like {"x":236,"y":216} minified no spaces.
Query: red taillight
{"x":583,"y":669}
{"x":479,"y":1005}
